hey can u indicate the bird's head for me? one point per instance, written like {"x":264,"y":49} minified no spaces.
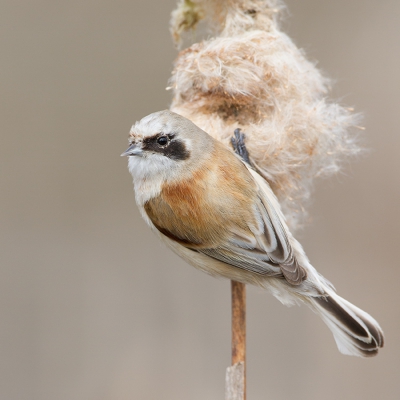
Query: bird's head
{"x":166,"y":145}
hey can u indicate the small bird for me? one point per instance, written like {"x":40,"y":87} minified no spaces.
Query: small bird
{"x":215,"y":211}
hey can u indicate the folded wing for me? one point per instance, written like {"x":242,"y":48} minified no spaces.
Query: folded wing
{"x":267,"y":248}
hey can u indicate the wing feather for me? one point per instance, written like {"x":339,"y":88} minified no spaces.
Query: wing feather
{"x":243,"y":259}
{"x":275,"y":226}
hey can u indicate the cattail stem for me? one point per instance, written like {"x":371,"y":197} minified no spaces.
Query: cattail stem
{"x":236,"y":375}
{"x":238,"y":322}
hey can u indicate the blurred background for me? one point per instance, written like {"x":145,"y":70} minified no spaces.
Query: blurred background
{"x":92,"y":306}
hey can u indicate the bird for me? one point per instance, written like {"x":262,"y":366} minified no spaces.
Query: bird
{"x":211,"y":207}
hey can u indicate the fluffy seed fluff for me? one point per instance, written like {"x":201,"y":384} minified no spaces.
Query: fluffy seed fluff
{"x":250,"y":75}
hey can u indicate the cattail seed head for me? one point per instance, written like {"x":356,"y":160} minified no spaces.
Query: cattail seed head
{"x":252,"y":76}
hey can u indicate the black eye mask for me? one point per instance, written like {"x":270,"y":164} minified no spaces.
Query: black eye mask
{"x":166,"y":145}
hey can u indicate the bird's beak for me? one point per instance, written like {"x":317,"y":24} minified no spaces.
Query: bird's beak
{"x":132,"y":150}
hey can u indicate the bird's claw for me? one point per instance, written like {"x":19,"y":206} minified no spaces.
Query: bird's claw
{"x":239,"y":146}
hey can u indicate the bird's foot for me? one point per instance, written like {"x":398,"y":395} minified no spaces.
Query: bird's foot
{"x":238,"y":145}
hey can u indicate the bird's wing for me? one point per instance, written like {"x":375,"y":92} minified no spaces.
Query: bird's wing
{"x":264,"y":247}
{"x":267,"y":249}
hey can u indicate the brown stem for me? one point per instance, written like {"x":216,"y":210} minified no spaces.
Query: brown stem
{"x":239,"y":326}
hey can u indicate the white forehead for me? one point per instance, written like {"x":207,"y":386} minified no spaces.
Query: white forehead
{"x":158,"y":122}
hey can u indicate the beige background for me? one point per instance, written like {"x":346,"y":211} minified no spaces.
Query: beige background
{"x":91,"y":305}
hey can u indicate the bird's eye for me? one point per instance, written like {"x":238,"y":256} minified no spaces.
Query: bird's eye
{"x":162,"y":140}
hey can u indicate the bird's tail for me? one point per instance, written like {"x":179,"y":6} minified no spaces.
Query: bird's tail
{"x":356,"y":333}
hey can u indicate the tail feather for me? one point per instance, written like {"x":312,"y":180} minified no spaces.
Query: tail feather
{"x":356,"y":332}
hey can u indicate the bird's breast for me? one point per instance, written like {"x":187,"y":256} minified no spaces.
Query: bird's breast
{"x":204,"y":210}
